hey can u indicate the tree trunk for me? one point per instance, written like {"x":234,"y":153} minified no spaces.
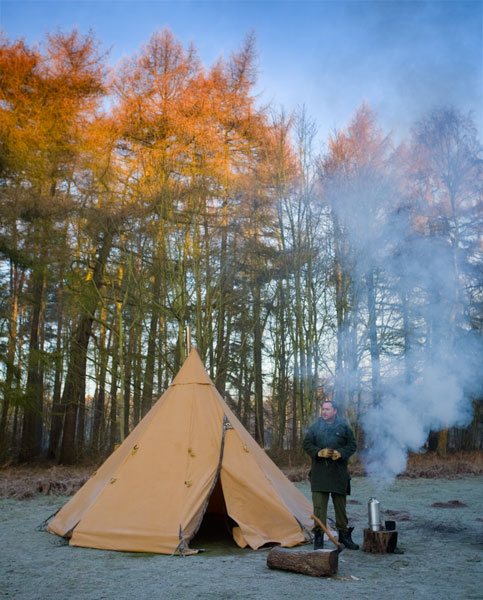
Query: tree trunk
{"x":122,"y":376}
{"x":374,"y":346}
{"x":257,"y":364}
{"x":113,"y":428}
{"x":16,"y":284}
{"x":339,"y":308}
{"x":408,"y":354}
{"x":32,"y":418}
{"x":220,"y":354}
{"x":57,"y":414}
{"x":97,"y":439}
{"x":129,"y":359}
{"x":279,"y":388}
{"x":81,"y":420}
{"x":148,"y":383}
{"x":76,"y":371}
{"x":136,"y":400}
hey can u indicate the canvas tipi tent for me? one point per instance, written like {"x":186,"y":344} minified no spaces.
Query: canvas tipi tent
{"x":187,"y":457}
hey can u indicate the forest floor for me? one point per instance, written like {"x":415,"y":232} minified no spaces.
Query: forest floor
{"x":440,"y":533}
{"x":439,"y":525}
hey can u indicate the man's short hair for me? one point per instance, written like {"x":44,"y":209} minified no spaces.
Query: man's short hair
{"x":334,"y":404}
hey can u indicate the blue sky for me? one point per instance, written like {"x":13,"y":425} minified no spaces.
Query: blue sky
{"x":403,"y":58}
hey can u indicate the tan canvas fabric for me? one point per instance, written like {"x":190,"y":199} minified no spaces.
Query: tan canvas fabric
{"x":151,"y":493}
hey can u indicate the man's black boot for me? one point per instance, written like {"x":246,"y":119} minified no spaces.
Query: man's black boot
{"x":318,"y":539}
{"x":345,"y":537}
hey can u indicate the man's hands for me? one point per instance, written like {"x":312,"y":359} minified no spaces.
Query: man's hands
{"x":329,"y":453}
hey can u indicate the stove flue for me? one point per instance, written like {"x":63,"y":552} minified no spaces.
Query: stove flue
{"x":374,"y":511}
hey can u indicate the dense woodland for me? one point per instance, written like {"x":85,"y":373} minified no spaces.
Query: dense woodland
{"x":139,"y":200}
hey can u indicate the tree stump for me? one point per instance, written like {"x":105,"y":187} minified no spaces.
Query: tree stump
{"x":379,"y":542}
{"x":318,"y":563}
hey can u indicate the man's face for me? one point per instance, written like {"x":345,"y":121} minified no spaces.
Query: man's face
{"x":328,"y":412}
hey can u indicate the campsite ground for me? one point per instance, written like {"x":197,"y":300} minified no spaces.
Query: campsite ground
{"x":441,"y":555}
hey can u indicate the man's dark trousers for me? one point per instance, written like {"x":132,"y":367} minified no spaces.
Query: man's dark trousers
{"x":321,"y":501}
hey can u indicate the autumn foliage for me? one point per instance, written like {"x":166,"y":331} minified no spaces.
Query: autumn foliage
{"x":140,"y":199}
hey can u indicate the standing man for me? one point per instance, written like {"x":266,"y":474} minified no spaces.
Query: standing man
{"x":330,"y":443}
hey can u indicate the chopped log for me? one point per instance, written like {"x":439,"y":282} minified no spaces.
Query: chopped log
{"x":318,"y":563}
{"x":379,"y":542}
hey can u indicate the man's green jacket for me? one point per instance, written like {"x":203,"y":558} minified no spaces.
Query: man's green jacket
{"x":329,"y":475}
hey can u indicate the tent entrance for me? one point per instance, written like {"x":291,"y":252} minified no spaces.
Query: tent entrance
{"x":216,"y":526}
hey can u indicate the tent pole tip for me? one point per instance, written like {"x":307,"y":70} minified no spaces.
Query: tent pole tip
{"x":188,"y":341}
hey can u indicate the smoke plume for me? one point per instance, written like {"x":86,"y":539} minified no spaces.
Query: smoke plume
{"x":431,"y":374}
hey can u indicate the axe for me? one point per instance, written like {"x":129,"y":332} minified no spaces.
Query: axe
{"x":338,"y":545}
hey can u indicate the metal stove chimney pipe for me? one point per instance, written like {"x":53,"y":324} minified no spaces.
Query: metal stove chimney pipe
{"x":374,"y":510}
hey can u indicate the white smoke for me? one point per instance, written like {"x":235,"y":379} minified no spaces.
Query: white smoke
{"x":429,"y":384}
{"x":446,"y":370}
{"x":406,"y":415}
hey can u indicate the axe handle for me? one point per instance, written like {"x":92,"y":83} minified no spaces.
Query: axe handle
{"x":324,"y":528}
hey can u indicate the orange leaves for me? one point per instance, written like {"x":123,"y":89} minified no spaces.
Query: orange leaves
{"x":189,"y":129}
{"x":360,"y":147}
{"x":44,"y":100}
{"x":170,"y":128}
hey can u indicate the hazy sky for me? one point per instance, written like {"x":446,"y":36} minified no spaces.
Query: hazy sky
{"x":401,"y":57}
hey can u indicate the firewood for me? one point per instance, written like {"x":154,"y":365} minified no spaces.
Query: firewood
{"x":379,"y":542}
{"x":318,"y":563}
